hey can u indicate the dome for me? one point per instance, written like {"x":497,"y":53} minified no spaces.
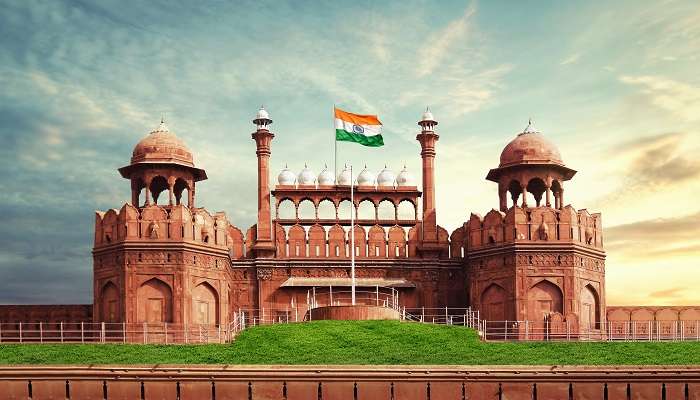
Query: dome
{"x":286,"y":177}
{"x":366,"y":178}
{"x":306,"y":176}
{"x":162,"y":146}
{"x":326,"y":177}
{"x":530,"y":147}
{"x":405,"y":178}
{"x":386,"y":178}
{"x":344,"y":176}
{"x":262,"y":113}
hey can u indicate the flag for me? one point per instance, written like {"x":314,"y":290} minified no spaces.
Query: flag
{"x":363,"y":129}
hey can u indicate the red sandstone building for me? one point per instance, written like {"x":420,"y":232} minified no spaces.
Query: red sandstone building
{"x":162,"y":258}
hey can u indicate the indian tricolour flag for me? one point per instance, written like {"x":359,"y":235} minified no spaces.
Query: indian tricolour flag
{"x":363,"y":129}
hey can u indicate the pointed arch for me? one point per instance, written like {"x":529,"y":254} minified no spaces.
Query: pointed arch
{"x":158,"y":185}
{"x":297,"y":241}
{"x":397,"y":242}
{"x":543,"y":299}
{"x":590,"y":308}
{"x":205,"y":304}
{"x":154,"y":300}
{"x":336,"y":242}
{"x":317,"y":241}
{"x":376,"y":242}
{"x":110,"y":306}
{"x":493,"y":303}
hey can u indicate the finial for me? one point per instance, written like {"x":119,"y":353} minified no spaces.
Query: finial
{"x":325,"y":165}
{"x":306,"y":166}
{"x":285,"y":166}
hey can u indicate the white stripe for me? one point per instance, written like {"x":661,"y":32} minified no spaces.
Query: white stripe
{"x":369,"y":130}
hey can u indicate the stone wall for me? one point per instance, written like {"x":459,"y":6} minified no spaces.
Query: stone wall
{"x":52,"y":313}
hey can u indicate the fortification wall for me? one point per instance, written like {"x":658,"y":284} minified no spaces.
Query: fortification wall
{"x":52,"y":313}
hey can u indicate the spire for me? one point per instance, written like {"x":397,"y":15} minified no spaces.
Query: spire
{"x":262,"y":119}
{"x":530,"y":128}
{"x":427,"y":121}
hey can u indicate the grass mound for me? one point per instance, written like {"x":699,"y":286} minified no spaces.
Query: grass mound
{"x":363,"y":342}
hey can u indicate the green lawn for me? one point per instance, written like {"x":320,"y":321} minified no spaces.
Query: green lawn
{"x":366,"y":342}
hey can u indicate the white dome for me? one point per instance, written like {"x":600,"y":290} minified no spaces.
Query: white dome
{"x":386,"y":178}
{"x":306,"y":176}
{"x":366,"y":178}
{"x":262,"y":113}
{"x":344,"y":176}
{"x":427,"y":115}
{"x":326,"y":177}
{"x":405,"y":178}
{"x":286,"y":177}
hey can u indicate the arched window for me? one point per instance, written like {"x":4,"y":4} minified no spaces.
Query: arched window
{"x":286,"y":210}
{"x":307,"y":210}
{"x":493,"y":303}
{"x":326,"y":209}
{"x":515,"y":190}
{"x":386,"y":210}
{"x":344,"y":209}
{"x":590,"y":308}
{"x":205,"y":305}
{"x":181,"y":190}
{"x":158,"y":184}
{"x":366,"y":210}
{"x":155,"y":301}
{"x":537,"y":188}
{"x":406,"y":210}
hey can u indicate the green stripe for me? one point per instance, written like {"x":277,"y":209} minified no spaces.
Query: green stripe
{"x":371,"y":141}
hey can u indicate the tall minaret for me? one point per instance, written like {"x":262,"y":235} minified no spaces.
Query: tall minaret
{"x":263,"y":247}
{"x":427,"y":139}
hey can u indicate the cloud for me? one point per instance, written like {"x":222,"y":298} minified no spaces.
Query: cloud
{"x":678,"y":98}
{"x":674,"y":292}
{"x":656,"y":238}
{"x":437,"y":46}
{"x":572,"y":59}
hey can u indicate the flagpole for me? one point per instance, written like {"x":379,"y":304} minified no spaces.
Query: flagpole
{"x":352,"y":235}
{"x":335,"y":143}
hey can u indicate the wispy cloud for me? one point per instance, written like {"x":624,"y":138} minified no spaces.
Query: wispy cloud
{"x":436,"y":47}
{"x":572,"y":59}
{"x":679,"y":98}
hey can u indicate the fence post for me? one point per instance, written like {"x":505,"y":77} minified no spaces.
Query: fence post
{"x":41,"y":332}
{"x":145,"y":333}
{"x":20,"y":332}
{"x":187,"y":333}
{"x":61,"y":328}
{"x":527,"y":329}
{"x":422,"y":314}
{"x":102,"y":332}
{"x":446,"y":315}
{"x":219,"y":333}
{"x":505,"y":330}
{"x":464,"y":320}
{"x":262,"y":319}
{"x":124,"y":332}
{"x":82,"y":332}
{"x":0,"y":332}
{"x":166,"y":333}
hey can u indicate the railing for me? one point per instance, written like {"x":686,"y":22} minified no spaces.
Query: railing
{"x":105,"y":332}
{"x":604,"y":331}
{"x":327,"y":296}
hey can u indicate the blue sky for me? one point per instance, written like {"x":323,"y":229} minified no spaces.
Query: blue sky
{"x":614,"y":84}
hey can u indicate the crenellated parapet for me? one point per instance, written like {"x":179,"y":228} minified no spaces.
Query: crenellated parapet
{"x":534,"y":225}
{"x":161,"y":223}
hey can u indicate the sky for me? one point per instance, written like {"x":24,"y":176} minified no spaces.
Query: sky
{"x":613,"y":84}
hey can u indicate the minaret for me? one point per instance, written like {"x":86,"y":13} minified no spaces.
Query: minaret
{"x":263,"y":247}
{"x":427,"y":139}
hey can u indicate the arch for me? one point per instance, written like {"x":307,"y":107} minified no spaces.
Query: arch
{"x":537,"y":188}
{"x":297,"y":241}
{"x":366,"y":210}
{"x":457,"y":243}
{"x":205,"y":305}
{"x":515,"y":191}
{"x":158,"y":185}
{"x":286,"y":209}
{"x":154,"y":299}
{"x":413,"y":238}
{"x":317,"y":241}
{"x":544,"y":299}
{"x":336,"y":242}
{"x":326,"y":209}
{"x":306,"y":210}
{"x":138,"y":185}
{"x":281,"y":241}
{"x":376,"y":242}
{"x":406,"y":210}
{"x":360,"y":242}
{"x":181,"y":187}
{"x":344,"y":208}
{"x":110,"y":305}
{"x":590,"y":308}
{"x":493,"y":303}
{"x":235,"y":242}
{"x":386,"y":210}
{"x":397,"y":242}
